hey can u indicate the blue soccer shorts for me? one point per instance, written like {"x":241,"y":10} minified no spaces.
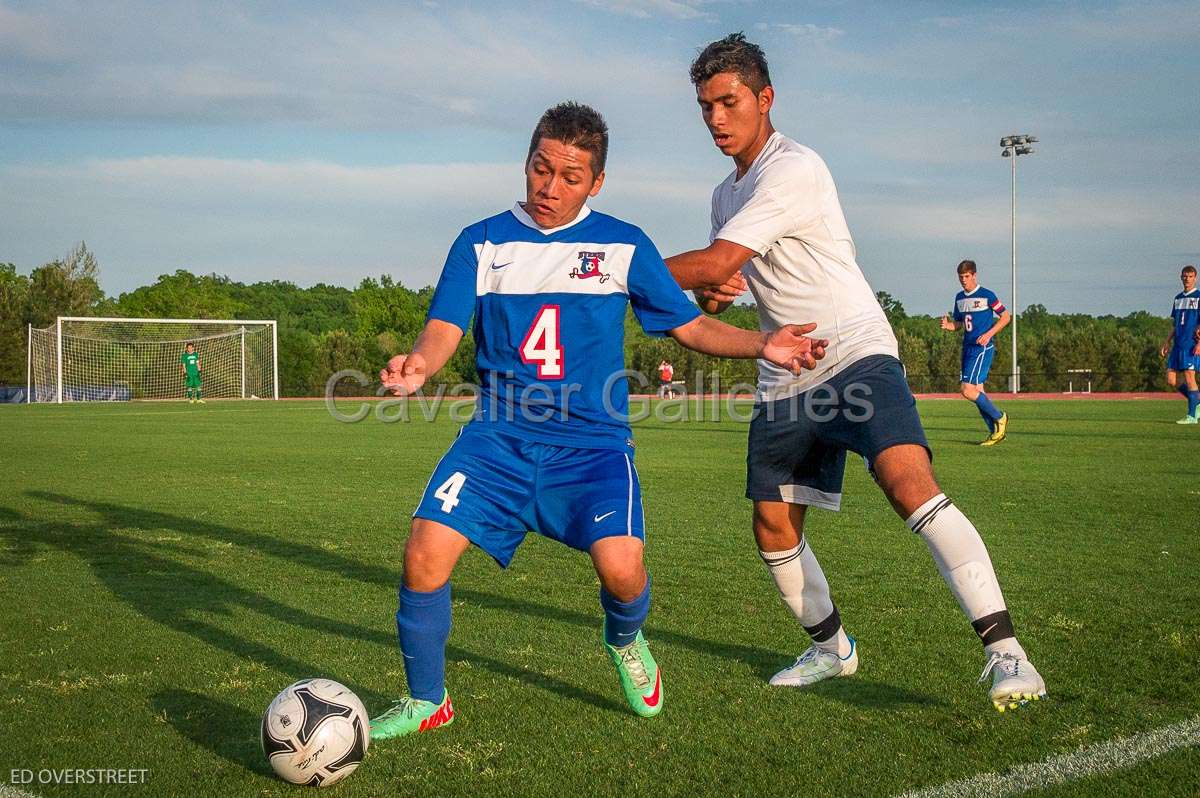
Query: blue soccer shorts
{"x":797,"y":448}
{"x":492,"y":487}
{"x":1182,"y":359}
{"x":976,"y":363}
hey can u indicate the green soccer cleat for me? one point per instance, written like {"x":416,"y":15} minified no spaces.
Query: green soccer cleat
{"x":410,"y":715}
{"x":640,"y":677}
{"x":200,"y":401}
{"x":1188,"y":420}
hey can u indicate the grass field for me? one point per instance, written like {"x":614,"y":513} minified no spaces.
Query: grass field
{"x":166,"y":569}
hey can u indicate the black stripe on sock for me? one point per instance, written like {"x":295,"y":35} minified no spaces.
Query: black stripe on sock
{"x":994,"y":628}
{"x":772,"y":561}
{"x":929,"y":516}
{"x":827,"y":628}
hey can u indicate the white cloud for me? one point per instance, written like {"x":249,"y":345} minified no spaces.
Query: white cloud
{"x":1062,"y":211}
{"x":392,"y":67}
{"x":298,"y":220}
{"x":32,"y":36}
{"x":645,"y":9}
{"x":804,"y":31}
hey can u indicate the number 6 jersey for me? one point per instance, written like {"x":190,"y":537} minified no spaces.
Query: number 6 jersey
{"x":549,"y":320}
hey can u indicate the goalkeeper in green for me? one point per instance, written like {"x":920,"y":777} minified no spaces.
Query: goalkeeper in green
{"x":189,"y":367}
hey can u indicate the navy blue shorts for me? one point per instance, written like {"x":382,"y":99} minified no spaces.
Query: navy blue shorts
{"x":493,"y":487}
{"x":798,"y":445}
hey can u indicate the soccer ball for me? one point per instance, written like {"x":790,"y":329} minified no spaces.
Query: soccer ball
{"x":315,"y":732}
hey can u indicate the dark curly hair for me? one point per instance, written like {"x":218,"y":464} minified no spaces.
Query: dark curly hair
{"x":733,"y":54}
{"x":575,"y":125}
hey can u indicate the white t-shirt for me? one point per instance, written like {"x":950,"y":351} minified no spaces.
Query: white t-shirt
{"x":786,"y":209}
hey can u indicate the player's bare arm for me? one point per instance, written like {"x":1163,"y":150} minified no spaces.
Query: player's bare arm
{"x":1166,"y":348}
{"x":405,"y":374}
{"x":1000,"y":324}
{"x":712,"y":266}
{"x":788,"y":347}
{"x":717,"y":299}
{"x":950,"y":324}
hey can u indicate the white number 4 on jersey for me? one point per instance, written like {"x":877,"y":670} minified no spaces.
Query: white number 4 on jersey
{"x":542,"y":346}
{"x":449,"y":490}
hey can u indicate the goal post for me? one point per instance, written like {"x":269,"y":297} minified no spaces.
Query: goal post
{"x":97,"y":358}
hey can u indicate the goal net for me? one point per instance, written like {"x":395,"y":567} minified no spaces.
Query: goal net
{"x":81,"y":359}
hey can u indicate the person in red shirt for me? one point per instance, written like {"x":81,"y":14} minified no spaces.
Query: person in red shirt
{"x":666,"y":373}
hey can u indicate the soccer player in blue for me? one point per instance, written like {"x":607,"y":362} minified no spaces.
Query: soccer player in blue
{"x":549,"y":448}
{"x":1182,"y":348}
{"x":975,"y":312}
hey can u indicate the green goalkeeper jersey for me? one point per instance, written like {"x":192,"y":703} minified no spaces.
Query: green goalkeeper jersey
{"x":191,"y":363}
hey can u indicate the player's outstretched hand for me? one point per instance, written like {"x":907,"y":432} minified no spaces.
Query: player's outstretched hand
{"x":404,"y":374}
{"x":947,"y":324}
{"x":791,"y":348}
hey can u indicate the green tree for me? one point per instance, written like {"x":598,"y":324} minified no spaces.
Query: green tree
{"x":14,"y":315}
{"x":67,"y":287}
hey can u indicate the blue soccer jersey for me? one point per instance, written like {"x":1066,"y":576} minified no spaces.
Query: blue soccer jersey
{"x":1185,"y":313}
{"x":549,"y":316}
{"x":976,"y":310}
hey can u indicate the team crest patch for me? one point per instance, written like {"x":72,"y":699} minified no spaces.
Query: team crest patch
{"x":589,"y":266}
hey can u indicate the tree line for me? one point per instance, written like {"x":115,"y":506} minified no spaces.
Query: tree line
{"x":324,"y":329}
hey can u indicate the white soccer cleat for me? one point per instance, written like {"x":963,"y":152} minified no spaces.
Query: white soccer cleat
{"x":816,"y":665}
{"x":1014,"y":681}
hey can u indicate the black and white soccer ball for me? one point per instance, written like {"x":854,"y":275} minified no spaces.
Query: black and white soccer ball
{"x":315,"y":732}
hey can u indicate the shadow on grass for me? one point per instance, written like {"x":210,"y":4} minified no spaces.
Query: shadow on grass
{"x":865,"y":694}
{"x":174,"y":594}
{"x":230,"y":732}
{"x":177,"y":596}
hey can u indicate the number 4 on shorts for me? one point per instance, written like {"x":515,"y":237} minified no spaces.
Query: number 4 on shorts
{"x":448,"y":492}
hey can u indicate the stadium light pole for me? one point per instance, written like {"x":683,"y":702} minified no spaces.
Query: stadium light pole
{"x":1011,"y":147}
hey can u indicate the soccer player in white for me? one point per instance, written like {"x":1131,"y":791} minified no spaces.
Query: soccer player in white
{"x":778,"y":228}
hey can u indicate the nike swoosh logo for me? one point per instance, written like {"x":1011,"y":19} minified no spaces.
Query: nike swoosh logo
{"x":984,"y":633}
{"x":502,"y":265}
{"x":652,"y":699}
{"x":598,"y":518}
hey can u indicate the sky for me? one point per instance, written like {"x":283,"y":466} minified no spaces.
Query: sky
{"x":328,"y":142}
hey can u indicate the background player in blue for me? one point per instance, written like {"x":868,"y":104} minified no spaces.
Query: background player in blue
{"x":975,"y":311}
{"x":1182,"y":348}
{"x":549,"y":449}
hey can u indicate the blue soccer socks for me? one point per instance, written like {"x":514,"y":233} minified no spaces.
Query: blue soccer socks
{"x":423,"y":626}
{"x":991,"y":414}
{"x":623,"y":619}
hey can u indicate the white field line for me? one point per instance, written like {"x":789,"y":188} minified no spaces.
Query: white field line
{"x":1093,"y":760}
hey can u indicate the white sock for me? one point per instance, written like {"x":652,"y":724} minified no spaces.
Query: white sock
{"x":804,"y":589}
{"x":963,"y":561}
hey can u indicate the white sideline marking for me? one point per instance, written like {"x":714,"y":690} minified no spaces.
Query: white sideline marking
{"x":7,"y":791}
{"x":1091,"y":761}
